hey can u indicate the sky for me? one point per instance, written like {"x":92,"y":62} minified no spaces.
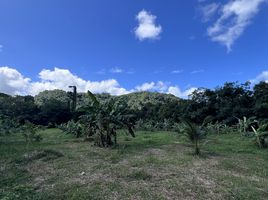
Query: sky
{"x":123,"y":46}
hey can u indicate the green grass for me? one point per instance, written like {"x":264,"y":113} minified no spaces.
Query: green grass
{"x":154,"y":165}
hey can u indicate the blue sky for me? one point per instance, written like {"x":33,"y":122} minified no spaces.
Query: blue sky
{"x":166,"y":46}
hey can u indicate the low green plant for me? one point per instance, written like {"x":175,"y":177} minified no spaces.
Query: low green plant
{"x":30,"y":132}
{"x":225,"y":129}
{"x":73,"y":128}
{"x":219,"y":128}
{"x":147,"y":125}
{"x":260,"y":135}
{"x":177,"y":127}
{"x":194,"y":133}
{"x":244,"y":124}
{"x":213,"y":128}
{"x":152,"y":125}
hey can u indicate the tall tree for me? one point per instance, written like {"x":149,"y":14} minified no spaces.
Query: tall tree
{"x":261,"y":100}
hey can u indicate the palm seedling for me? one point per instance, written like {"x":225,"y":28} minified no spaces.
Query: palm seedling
{"x":194,"y":133}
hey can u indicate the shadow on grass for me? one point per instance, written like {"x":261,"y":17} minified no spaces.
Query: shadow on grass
{"x":44,"y":155}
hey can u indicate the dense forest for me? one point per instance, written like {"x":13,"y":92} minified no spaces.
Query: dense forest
{"x":223,"y":104}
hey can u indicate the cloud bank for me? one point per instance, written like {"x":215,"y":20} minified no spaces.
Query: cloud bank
{"x":162,"y":87}
{"x":14,"y":83}
{"x":261,"y":77}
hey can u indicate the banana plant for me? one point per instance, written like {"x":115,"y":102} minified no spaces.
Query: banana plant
{"x":260,"y":135}
{"x":244,"y":124}
{"x":102,"y":120}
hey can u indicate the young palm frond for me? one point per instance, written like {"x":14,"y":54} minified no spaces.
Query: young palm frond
{"x":194,"y":133}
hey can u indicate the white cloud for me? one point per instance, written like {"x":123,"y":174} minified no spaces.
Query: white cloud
{"x":158,"y":86}
{"x":62,"y":78}
{"x":208,"y":11}
{"x":175,"y":90}
{"x":147,"y":28}
{"x":14,"y":83}
{"x":165,"y":88}
{"x":235,"y":16}
{"x":261,"y":77}
{"x":116,"y":70}
{"x":178,"y":71}
{"x":1,"y":48}
{"x":145,"y":86}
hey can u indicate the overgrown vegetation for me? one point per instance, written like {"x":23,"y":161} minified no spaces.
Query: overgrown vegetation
{"x":101,"y":121}
{"x":228,"y":117}
{"x":231,"y":108}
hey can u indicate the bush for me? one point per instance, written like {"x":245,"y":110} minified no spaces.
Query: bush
{"x":73,"y":128}
{"x":29,"y":132}
{"x":8,"y":126}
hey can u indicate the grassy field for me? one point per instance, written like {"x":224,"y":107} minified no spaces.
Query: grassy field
{"x":157,"y":165}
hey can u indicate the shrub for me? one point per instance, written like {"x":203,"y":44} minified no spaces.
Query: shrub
{"x":29,"y":132}
{"x":8,"y":126}
{"x":73,"y":128}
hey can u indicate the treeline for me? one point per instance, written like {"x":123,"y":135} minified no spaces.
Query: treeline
{"x":229,"y":102}
{"x":24,"y":108}
{"x":223,"y":104}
